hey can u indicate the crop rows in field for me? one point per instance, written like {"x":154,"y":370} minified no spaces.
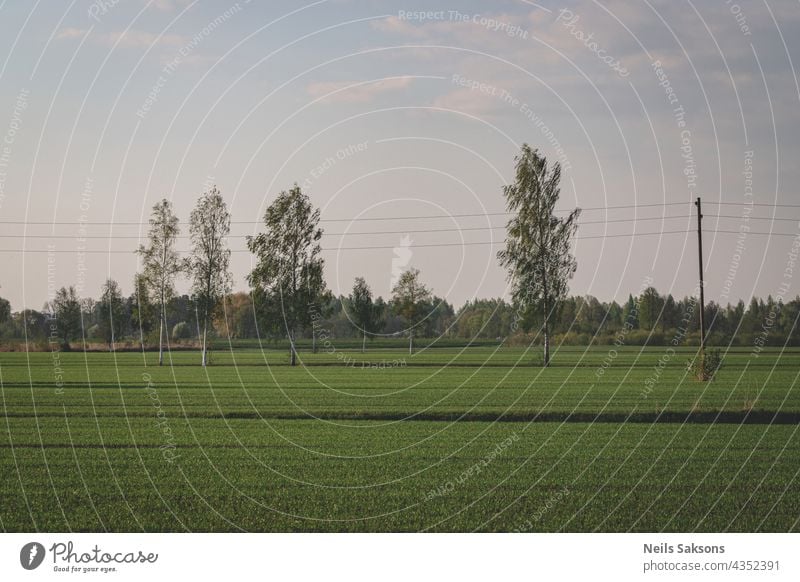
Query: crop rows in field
{"x":303,"y":475}
{"x":122,"y":446}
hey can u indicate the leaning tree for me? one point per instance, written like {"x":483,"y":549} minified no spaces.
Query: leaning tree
{"x":287,"y":277}
{"x":537,"y":253}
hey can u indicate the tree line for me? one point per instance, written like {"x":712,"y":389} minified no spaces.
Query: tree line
{"x":651,"y":317}
{"x":287,"y":289}
{"x":289,"y":300}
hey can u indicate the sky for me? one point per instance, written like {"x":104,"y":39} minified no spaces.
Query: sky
{"x":401,"y":121}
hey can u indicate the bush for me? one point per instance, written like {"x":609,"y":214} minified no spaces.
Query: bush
{"x":181,"y":331}
{"x":705,"y":366}
{"x":567,"y":339}
{"x":637,"y":337}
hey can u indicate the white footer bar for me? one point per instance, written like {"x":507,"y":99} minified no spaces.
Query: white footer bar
{"x":400,"y":557}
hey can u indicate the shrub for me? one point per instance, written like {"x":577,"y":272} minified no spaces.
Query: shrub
{"x":705,"y":366}
{"x":181,"y":331}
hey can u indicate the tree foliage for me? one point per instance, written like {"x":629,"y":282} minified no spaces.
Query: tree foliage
{"x":287,"y":280}
{"x":161,"y":265}
{"x":5,"y":310}
{"x":236,"y":319}
{"x":110,"y":312}
{"x":209,"y":261}
{"x":409,"y":300}
{"x":537,"y":253}
{"x":362,"y":310}
{"x":143,"y":311}
{"x":651,"y":306}
{"x":66,"y":308}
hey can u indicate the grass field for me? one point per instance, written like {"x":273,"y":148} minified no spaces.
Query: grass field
{"x":450,"y":439}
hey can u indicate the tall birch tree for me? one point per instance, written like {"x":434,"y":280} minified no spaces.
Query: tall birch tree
{"x":537,"y":255}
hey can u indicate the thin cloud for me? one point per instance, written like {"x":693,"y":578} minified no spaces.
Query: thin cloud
{"x":395,"y":25}
{"x":70,"y":33}
{"x":141,"y":38}
{"x":168,"y":5}
{"x":125,"y":38}
{"x":471,"y":102}
{"x":355,"y":91}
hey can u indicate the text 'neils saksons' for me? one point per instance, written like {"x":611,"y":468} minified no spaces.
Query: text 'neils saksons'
{"x":664,"y":548}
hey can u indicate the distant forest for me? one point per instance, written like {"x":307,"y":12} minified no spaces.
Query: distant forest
{"x":649,"y":318}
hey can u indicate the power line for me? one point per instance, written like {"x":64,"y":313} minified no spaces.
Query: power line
{"x":432,"y":216}
{"x":414,"y":231}
{"x":430,"y":245}
{"x":361,"y":248}
{"x":358,"y":233}
{"x":361,"y":219}
{"x":752,"y":204}
{"x":750,"y":232}
{"x":751,"y":217}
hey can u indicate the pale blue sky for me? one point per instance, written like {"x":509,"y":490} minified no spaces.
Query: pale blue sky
{"x":256,"y":96}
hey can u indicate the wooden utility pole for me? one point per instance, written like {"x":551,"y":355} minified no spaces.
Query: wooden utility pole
{"x":700,"y":265}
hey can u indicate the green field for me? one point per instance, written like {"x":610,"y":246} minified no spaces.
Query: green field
{"x":450,"y":439}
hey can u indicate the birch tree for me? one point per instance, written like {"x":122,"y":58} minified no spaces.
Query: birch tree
{"x":287,"y":277}
{"x":537,"y":255}
{"x":110,"y":313}
{"x":363,"y":310}
{"x":209,"y":261}
{"x":161,"y":264}
{"x":409,"y":300}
